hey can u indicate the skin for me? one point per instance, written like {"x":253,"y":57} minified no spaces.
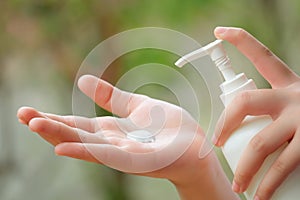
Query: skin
{"x":101,"y":140}
{"x":282,"y":103}
{"x":194,"y":178}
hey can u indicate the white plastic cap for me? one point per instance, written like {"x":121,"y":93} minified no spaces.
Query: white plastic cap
{"x":233,"y":83}
{"x":216,"y":52}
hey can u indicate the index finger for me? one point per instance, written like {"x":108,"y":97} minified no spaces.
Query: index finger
{"x":109,"y":97}
{"x":268,"y":64}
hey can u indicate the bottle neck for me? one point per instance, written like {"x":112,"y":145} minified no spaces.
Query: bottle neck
{"x":224,"y":65}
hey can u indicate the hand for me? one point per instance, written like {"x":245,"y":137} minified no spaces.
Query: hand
{"x":282,"y":103}
{"x":174,"y":154}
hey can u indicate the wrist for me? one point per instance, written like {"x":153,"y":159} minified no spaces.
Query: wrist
{"x":209,"y":182}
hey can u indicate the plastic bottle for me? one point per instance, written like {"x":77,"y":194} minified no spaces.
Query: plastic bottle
{"x":237,"y":142}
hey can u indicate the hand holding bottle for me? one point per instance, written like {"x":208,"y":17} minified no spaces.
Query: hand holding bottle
{"x":282,"y":103}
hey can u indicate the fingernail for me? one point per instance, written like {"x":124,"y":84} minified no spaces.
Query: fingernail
{"x":256,"y":198}
{"x":219,"y":31}
{"x":235,"y":187}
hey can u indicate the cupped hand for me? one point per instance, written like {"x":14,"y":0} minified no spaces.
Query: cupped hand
{"x":282,"y":103}
{"x":173,"y":155}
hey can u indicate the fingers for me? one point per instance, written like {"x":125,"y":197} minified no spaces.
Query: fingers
{"x":107,"y":154}
{"x":108,"y":97}
{"x":87,"y":124}
{"x":269,"y":65}
{"x":57,"y":132}
{"x":91,"y":125}
{"x":75,"y":150}
{"x":254,"y":102}
{"x":25,"y":114}
{"x":259,"y":147}
{"x":94,"y":125}
{"x":117,"y":157}
{"x":285,"y":164}
{"x":272,"y":138}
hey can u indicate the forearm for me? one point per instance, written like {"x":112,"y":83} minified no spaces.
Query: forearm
{"x":212,"y":185}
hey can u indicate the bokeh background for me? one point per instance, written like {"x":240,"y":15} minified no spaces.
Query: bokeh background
{"x":42,"y":44}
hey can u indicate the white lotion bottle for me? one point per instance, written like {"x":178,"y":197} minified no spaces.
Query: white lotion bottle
{"x":239,"y":139}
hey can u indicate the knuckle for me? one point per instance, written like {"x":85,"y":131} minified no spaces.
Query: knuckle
{"x":59,"y":127}
{"x":265,"y":52}
{"x":103,"y":94}
{"x":135,"y":99}
{"x":92,"y":125}
{"x":82,"y":137}
{"x":279,"y":166}
{"x":107,"y":100}
{"x":242,"y":177}
{"x":70,"y":121}
{"x":243,"y":99}
{"x":265,"y":191}
{"x":242,"y":34}
{"x":258,"y":144}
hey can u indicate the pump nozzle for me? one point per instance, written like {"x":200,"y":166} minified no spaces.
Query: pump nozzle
{"x":233,"y":83}
{"x":216,"y":52}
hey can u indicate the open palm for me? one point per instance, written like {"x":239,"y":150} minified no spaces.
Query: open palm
{"x":104,"y":140}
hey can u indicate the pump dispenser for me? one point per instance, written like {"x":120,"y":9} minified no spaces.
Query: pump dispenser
{"x":233,"y":83}
{"x":236,"y":143}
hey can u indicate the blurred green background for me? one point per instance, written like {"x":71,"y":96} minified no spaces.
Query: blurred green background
{"x":42,"y":44}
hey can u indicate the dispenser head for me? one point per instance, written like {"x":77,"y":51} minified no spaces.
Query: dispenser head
{"x":218,"y":55}
{"x":233,"y":83}
{"x":214,"y":49}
